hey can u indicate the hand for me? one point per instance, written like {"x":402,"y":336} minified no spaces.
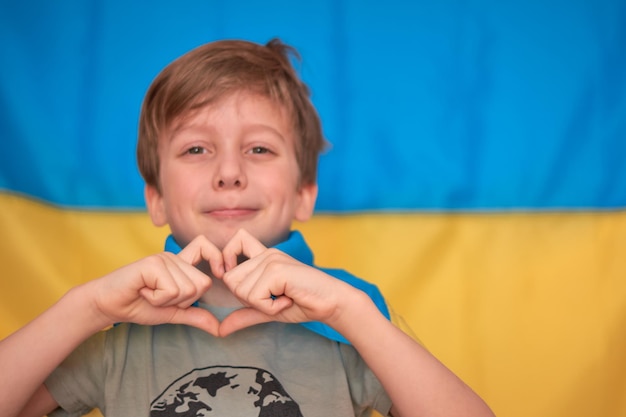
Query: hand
{"x":275,"y":287}
{"x":161,"y":288}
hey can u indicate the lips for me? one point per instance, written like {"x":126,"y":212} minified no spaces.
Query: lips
{"x":231,"y":213}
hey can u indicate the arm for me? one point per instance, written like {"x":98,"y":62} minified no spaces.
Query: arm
{"x":29,"y":355}
{"x":156,"y":289}
{"x":274,"y":286}
{"x":418,"y":383}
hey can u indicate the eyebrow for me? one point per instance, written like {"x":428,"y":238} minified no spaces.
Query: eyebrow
{"x":262,"y":127}
{"x":252,"y":128}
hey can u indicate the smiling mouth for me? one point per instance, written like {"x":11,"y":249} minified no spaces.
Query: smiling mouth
{"x":235,"y":213}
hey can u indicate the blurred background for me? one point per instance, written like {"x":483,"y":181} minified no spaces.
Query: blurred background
{"x":476,"y":174}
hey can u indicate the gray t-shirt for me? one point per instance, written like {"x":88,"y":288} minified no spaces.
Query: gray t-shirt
{"x":272,"y":369}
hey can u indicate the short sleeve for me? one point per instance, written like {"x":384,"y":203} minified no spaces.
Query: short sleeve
{"x":365,"y":389}
{"x":77,"y":383}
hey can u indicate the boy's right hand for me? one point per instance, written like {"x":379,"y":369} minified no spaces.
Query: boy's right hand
{"x":160,"y":289}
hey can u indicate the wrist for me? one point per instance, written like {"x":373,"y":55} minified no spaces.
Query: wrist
{"x":84,"y":310}
{"x":355,"y":314}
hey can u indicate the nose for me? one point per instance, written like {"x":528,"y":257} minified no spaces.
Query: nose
{"x":230,"y":172}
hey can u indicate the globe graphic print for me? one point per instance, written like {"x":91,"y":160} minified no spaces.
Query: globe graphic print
{"x":225,"y":391}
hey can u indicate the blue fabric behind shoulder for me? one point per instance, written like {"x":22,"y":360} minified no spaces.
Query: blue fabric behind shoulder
{"x":296,"y":247}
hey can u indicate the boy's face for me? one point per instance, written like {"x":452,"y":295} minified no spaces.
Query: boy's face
{"x":231,"y":165}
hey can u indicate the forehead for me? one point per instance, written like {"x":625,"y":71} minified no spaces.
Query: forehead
{"x":239,"y":109}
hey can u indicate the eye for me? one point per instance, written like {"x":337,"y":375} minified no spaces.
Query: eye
{"x":259,"y":150}
{"x":196,"y":150}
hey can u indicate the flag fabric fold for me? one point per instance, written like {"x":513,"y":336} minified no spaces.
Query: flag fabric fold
{"x":476,"y":169}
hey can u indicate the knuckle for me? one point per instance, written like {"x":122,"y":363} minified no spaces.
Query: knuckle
{"x":157,"y":261}
{"x":241,"y":232}
{"x":227,"y":277}
{"x":274,"y":259}
{"x":205,"y":285}
{"x":200,"y":239}
{"x":241,"y":294}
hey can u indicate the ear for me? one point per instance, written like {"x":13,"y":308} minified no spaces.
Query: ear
{"x":306,"y":205}
{"x":154,"y":202}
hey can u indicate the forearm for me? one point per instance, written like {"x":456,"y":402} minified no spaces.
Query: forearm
{"x":29,"y":355}
{"x":418,"y":384}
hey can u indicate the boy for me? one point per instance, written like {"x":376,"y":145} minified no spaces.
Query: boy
{"x":228,"y":147}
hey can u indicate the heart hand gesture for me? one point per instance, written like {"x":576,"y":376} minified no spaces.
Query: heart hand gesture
{"x":273,"y":286}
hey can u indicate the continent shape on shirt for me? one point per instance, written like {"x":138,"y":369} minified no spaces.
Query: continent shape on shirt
{"x":225,"y":390}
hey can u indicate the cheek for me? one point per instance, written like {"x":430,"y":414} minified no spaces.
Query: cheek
{"x":179,"y":182}
{"x":281,"y":188}
{"x":176,"y":195}
{"x":288,"y":177}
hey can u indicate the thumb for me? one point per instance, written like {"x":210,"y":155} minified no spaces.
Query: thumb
{"x":249,"y":316}
{"x":196,"y":317}
{"x":240,"y":319}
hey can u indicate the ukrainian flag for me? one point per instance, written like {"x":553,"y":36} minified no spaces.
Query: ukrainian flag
{"x":477,"y":172}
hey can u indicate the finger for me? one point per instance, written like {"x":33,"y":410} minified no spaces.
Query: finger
{"x":258,"y":282}
{"x":245,"y":274}
{"x":202,"y":249}
{"x":162,"y":298}
{"x":242,"y":278}
{"x":193,"y":282}
{"x":170,"y":281}
{"x":267,"y":293}
{"x":242,"y":243}
{"x":159,"y":287}
{"x":197,"y":317}
{"x":248,"y":316}
{"x":240,"y":319}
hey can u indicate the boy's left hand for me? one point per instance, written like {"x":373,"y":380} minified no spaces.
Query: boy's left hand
{"x":275,"y":287}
